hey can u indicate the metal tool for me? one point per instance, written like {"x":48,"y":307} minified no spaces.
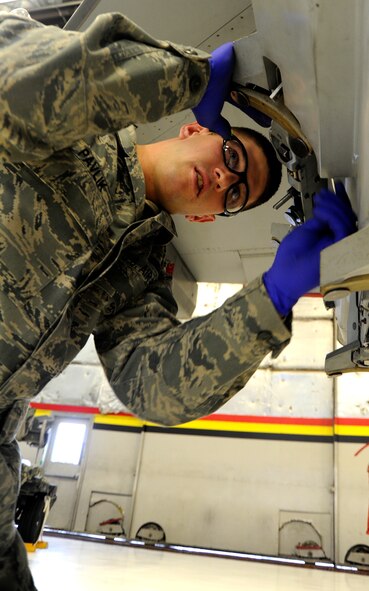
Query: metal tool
{"x":292,"y":147}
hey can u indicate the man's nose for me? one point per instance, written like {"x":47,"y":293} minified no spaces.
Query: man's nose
{"x":224,"y":178}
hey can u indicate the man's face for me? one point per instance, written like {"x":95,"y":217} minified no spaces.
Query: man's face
{"x":191,"y":177}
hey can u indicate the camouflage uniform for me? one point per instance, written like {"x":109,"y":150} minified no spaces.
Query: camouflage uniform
{"x":81,"y":250}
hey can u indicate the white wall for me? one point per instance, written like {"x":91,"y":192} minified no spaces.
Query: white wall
{"x":237,"y":492}
{"x":227,"y":493}
{"x":111,"y":468}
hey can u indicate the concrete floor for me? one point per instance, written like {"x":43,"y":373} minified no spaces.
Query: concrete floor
{"x":76,"y":565}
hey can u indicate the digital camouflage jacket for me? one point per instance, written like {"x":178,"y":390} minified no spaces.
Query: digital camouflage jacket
{"x":81,"y":250}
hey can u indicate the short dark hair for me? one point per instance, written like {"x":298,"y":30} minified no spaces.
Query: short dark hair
{"x":274,"y":166}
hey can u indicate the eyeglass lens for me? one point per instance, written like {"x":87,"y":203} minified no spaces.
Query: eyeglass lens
{"x":234,"y":157}
{"x":236,"y":160}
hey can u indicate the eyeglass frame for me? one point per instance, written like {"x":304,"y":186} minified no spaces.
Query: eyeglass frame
{"x":242,"y":176}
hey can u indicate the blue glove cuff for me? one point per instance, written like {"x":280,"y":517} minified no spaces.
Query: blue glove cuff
{"x":281,"y":301}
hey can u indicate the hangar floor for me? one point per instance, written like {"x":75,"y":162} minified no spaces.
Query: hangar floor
{"x":73,"y":564}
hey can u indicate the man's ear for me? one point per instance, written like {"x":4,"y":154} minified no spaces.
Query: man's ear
{"x":190,"y":128}
{"x":201,"y":218}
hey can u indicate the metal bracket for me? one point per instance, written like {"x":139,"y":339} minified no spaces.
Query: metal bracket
{"x":292,"y":147}
{"x":342,"y":360}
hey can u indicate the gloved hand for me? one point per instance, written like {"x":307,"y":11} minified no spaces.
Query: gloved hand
{"x":209,"y":108}
{"x":208,"y":111}
{"x":296,"y":268}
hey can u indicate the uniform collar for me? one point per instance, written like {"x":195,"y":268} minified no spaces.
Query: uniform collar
{"x":162,"y":216}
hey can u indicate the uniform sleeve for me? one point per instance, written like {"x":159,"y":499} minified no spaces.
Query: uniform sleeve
{"x":171,"y":373}
{"x":59,"y":86}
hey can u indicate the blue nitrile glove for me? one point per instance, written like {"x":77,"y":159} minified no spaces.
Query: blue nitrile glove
{"x":208,"y":111}
{"x":296,"y":268}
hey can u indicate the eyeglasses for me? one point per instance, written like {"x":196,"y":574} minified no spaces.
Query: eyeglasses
{"x":236,"y":160}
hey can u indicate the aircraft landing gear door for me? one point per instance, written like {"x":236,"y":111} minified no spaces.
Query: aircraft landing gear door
{"x":63,"y":466}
